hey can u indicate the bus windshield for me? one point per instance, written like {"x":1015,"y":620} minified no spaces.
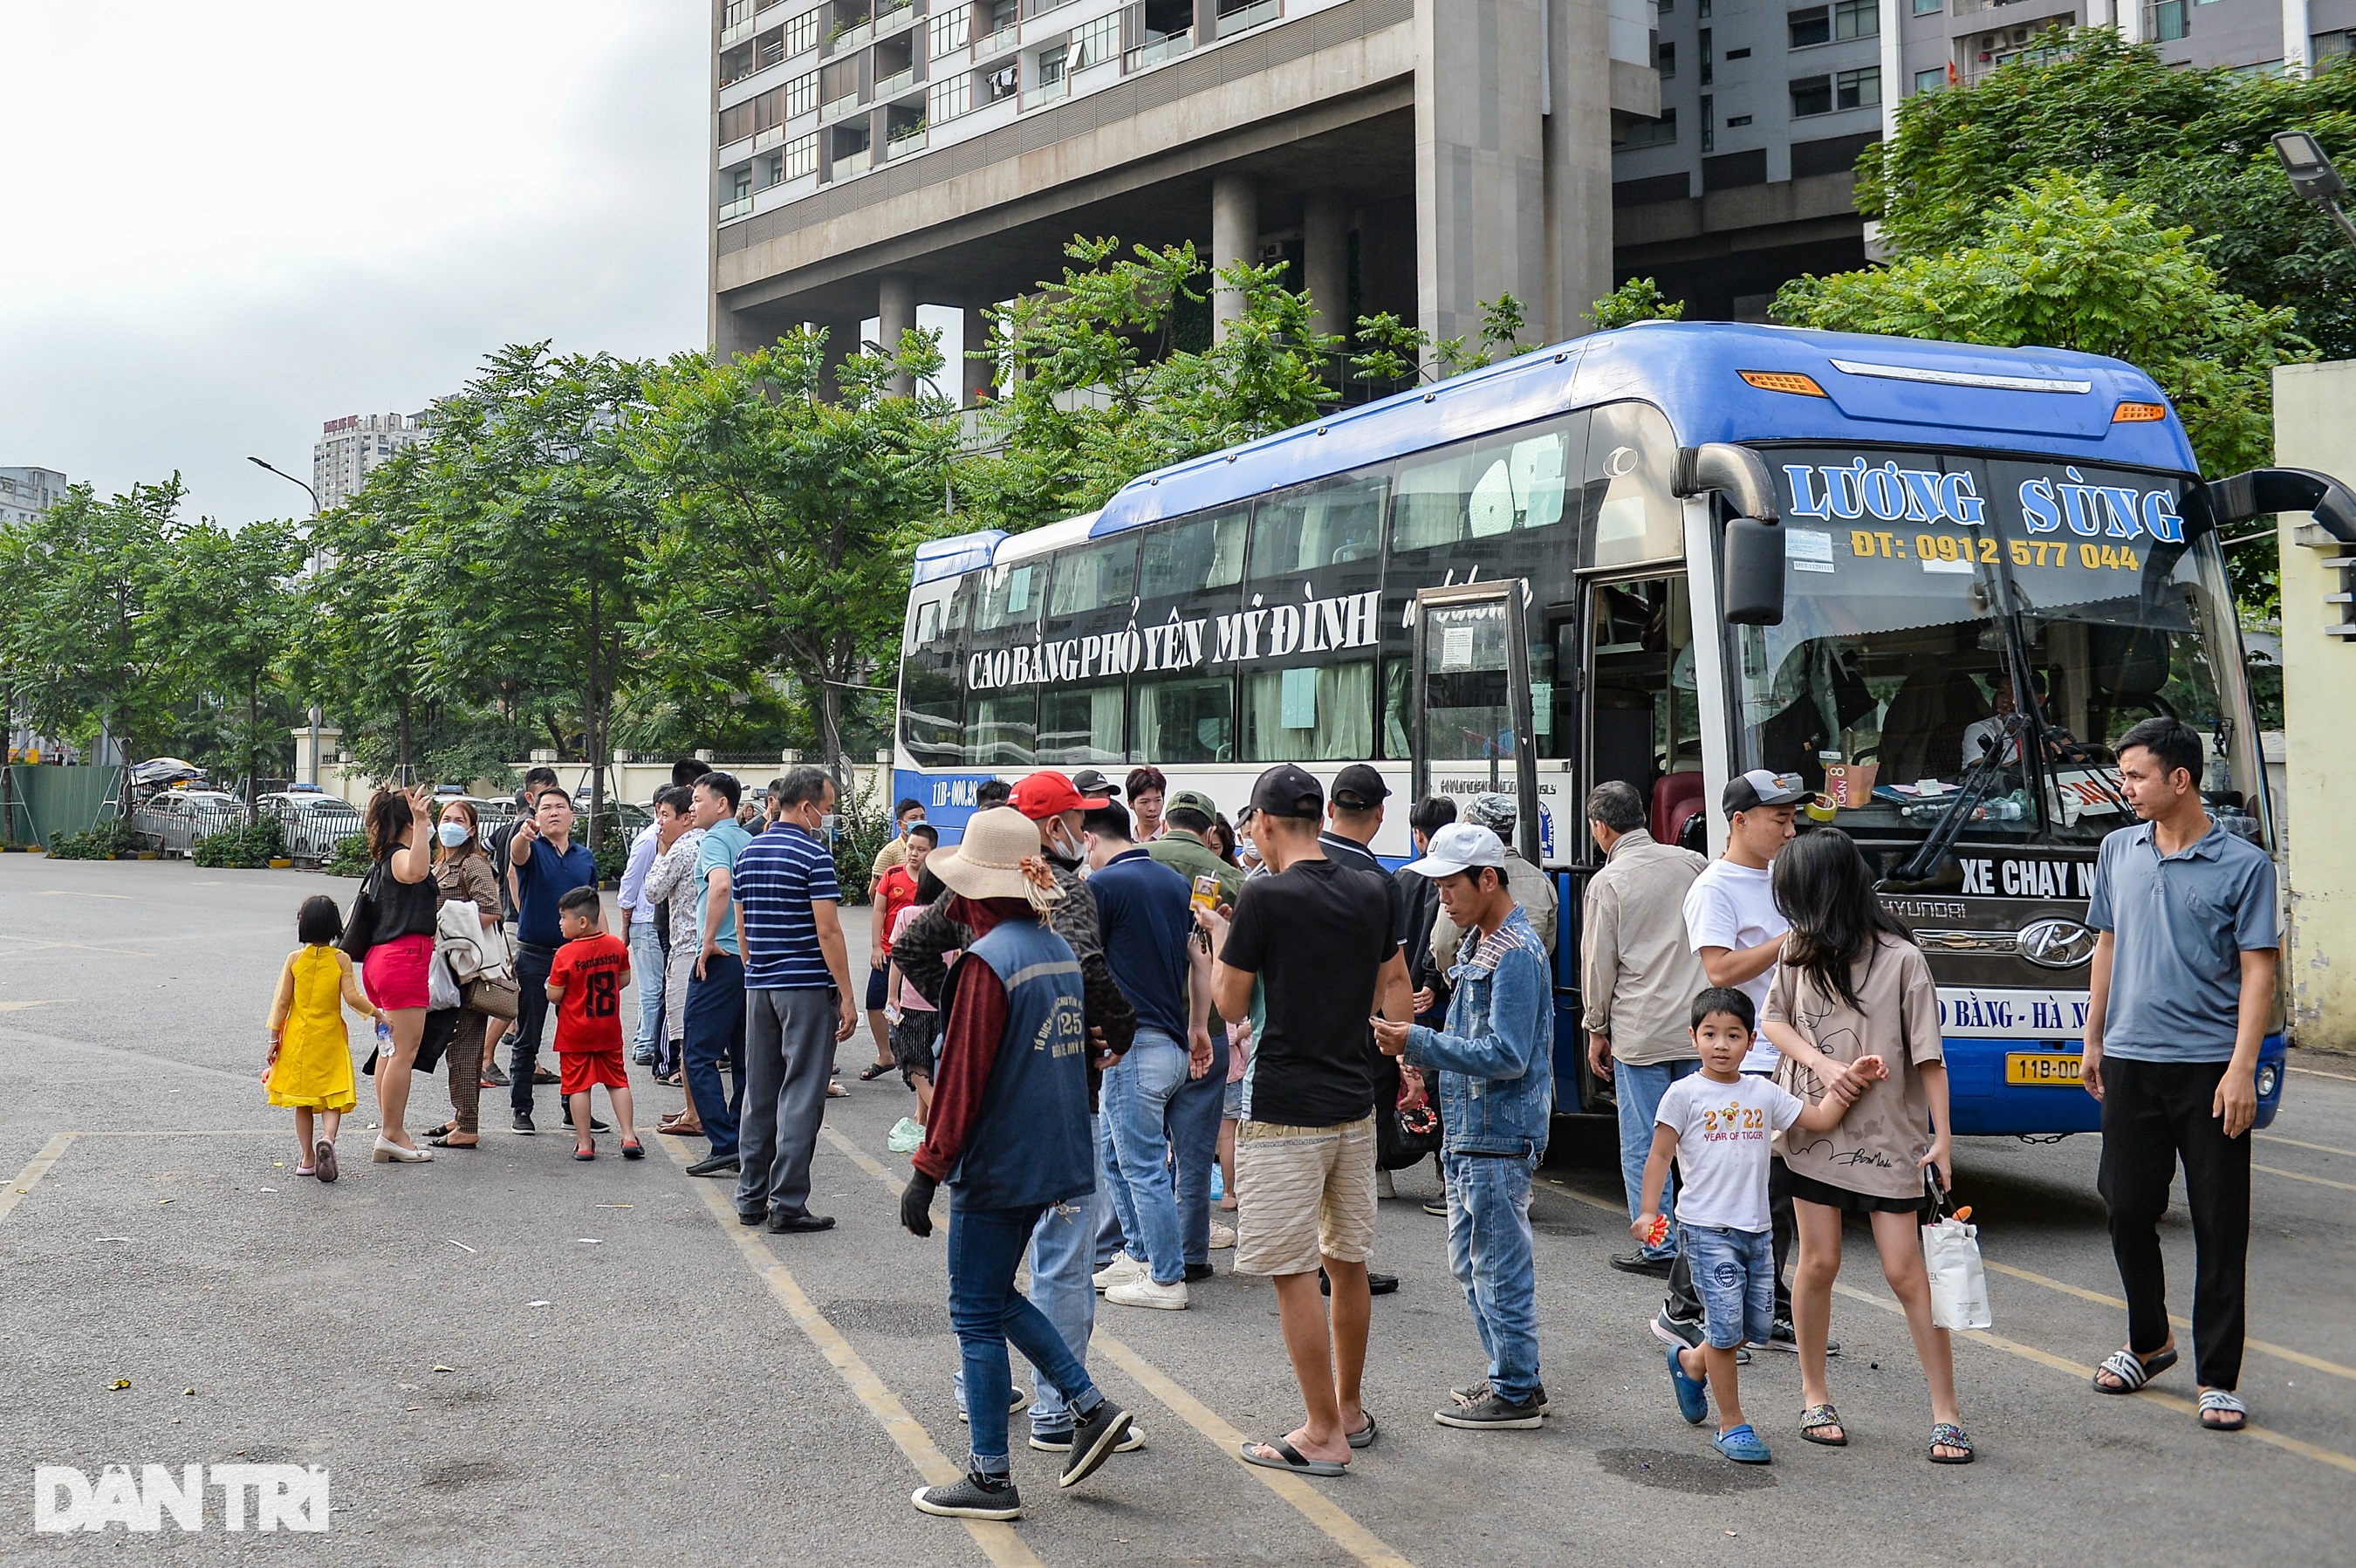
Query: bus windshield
{"x":1924,"y":590}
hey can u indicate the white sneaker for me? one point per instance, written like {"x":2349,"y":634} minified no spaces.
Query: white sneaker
{"x":1143,"y":1292}
{"x":1222,"y":1236}
{"x":1384,"y":1185}
{"x":1121,"y":1271}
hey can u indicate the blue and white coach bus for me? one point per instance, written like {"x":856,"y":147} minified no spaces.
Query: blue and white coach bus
{"x":1932,"y":580}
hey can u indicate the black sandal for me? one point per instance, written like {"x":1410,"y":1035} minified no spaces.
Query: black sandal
{"x":877,"y":1070}
{"x":440,"y":1138}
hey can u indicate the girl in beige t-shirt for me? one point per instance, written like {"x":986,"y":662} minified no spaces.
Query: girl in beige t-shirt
{"x":1852,"y":983}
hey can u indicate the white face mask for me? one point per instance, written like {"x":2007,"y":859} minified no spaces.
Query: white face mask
{"x":826,"y":825}
{"x":453,"y":834}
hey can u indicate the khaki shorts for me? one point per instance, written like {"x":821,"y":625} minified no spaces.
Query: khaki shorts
{"x":1302,"y":1193}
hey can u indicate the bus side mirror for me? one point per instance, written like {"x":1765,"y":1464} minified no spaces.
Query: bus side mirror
{"x":1753,"y":560}
{"x":2220,"y":503}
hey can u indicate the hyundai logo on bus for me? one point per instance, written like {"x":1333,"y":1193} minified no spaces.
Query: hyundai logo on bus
{"x":1859,"y":488}
{"x":1314,"y":625}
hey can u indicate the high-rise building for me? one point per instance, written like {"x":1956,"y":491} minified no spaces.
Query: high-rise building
{"x":26,"y":493}
{"x":1746,"y":178}
{"x":348,"y":447}
{"x":1420,"y":157}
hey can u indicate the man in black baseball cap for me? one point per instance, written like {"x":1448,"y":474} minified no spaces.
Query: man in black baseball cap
{"x":1095,"y":785}
{"x":1749,"y":792}
{"x":1359,"y":787}
{"x":1288,"y":792}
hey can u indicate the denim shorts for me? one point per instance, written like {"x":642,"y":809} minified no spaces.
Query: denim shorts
{"x":1734,"y":1273}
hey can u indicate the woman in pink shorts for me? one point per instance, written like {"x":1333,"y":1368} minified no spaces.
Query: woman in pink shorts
{"x":396,"y":949}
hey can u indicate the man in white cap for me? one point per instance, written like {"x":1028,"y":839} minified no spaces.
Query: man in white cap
{"x":1496,"y":1065}
{"x":1533,"y":888}
{"x":1009,"y":1135}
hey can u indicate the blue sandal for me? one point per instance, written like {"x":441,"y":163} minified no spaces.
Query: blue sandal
{"x":1743,"y":1446}
{"x":1693,"y":1403}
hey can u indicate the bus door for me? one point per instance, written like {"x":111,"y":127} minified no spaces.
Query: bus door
{"x":1472,"y":722}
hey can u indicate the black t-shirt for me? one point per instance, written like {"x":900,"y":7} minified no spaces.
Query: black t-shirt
{"x":1351,"y":853}
{"x":1316,"y":935}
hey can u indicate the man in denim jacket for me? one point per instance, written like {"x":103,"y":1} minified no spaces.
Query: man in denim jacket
{"x":1495,"y":1066}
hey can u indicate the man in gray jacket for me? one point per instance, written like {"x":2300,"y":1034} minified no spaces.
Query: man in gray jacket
{"x":1638,"y":977}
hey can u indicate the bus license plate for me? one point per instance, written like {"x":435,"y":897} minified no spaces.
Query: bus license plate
{"x":2028,"y":1067}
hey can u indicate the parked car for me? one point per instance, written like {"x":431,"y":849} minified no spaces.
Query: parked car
{"x":315,"y":822}
{"x":177,"y":819}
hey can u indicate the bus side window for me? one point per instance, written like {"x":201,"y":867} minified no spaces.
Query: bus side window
{"x":1631,"y":456}
{"x":1315,"y":528}
{"x":1193,"y":554}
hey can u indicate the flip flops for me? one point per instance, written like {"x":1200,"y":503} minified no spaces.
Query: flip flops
{"x":2223,"y":1401}
{"x":1288,"y":1458}
{"x":1693,"y":1403}
{"x":2132,"y":1370}
{"x":1365,"y":1436}
{"x":633,"y":1151}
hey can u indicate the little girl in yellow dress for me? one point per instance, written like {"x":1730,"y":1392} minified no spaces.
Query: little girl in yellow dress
{"x":310,"y":1066}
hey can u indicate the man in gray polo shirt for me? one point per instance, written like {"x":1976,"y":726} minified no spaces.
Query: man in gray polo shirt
{"x":2182,"y":991}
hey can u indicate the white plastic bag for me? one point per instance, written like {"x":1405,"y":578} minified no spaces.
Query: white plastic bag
{"x":441,"y":986}
{"x":1950,"y":1252}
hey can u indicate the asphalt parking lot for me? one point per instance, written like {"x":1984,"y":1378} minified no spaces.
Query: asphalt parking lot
{"x":505,"y":1357}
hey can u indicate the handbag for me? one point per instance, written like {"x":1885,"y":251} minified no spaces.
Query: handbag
{"x":1951,"y":1255}
{"x":492,"y":995}
{"x":359,"y":926}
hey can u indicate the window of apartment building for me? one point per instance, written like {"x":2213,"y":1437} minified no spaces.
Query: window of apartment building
{"x":1657,"y":133}
{"x":736,"y":121}
{"x":773,"y":170}
{"x":1931,"y":79}
{"x":1857,"y":89}
{"x":801,"y":94}
{"x":1736,"y":122}
{"x":1709,"y":60}
{"x":1738,"y":54}
{"x":1708,"y":122}
{"x":950,"y":29}
{"x":1664,"y":7}
{"x":1667,"y":64}
{"x":801,"y":33}
{"x":1096,"y":42}
{"x":945,"y":101}
{"x":740,"y":181}
{"x":1702,"y":10}
{"x":1927,"y":8}
{"x":2167,"y":21}
{"x":1830,"y":24}
{"x":768,"y":48}
{"x":1812,"y":95}
{"x":801,"y":156}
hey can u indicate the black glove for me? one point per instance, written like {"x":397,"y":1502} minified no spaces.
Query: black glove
{"x":917,"y":1204}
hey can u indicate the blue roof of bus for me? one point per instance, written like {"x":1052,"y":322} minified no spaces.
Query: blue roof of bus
{"x":1897,"y":390}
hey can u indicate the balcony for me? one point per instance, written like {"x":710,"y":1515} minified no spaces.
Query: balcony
{"x":850,"y":38}
{"x":897,"y":81}
{"x":740,"y":208}
{"x":1248,"y":16}
{"x":1157,"y":47}
{"x":828,"y":113}
{"x":856,"y":164}
{"x":736,"y":25}
{"x":775,"y":136}
{"x":997,"y":42}
{"x":1046,"y":92}
{"x":891,"y":20}
{"x":900,"y":144}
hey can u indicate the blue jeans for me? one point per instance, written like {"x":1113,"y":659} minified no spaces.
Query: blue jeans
{"x":1639,"y":1091}
{"x":984,"y":1246}
{"x":1062,"y":1258}
{"x":1734,"y":1272}
{"x":1489,"y":1251}
{"x":1138,"y":1094}
{"x":716,"y":1030}
{"x":1195,"y":1114}
{"x":647,"y":975}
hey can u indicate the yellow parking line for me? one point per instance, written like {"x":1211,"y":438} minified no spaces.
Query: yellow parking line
{"x":2294,"y":1176}
{"x":77,"y":947}
{"x":2319,"y":1072}
{"x":1336,"y":1523}
{"x":35,"y":1170}
{"x":2063,"y":1364}
{"x":2298,"y":1357}
{"x":999,"y":1542}
{"x":2294,"y":1142}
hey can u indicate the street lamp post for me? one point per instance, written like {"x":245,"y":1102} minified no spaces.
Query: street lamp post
{"x":314,"y":560}
{"x":2312,"y":176}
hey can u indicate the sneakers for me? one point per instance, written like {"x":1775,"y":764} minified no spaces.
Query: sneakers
{"x":523,"y":1123}
{"x":1474,"y":1393}
{"x":1121,"y":1271}
{"x":1436,"y":1206}
{"x":1061,"y":1442}
{"x":1092,"y":1440}
{"x":905,"y":1137}
{"x":1146,"y":1293}
{"x":1222,"y":1236}
{"x":1782,"y":1338}
{"x":1384,"y":1185}
{"x":1017,"y":1403}
{"x":644,"y":1056}
{"x":973,"y":1497}
{"x":1640,"y":1264}
{"x":1491,"y":1410}
{"x":1681,"y":1331}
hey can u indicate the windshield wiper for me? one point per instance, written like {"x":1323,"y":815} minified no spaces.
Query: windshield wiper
{"x":1973,"y":788}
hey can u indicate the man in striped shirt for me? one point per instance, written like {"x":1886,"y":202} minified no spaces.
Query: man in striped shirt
{"x":798,"y":1004}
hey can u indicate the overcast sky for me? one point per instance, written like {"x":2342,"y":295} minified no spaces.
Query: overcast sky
{"x":226,"y":223}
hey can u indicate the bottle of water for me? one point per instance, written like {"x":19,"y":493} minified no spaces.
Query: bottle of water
{"x":383,"y":1036}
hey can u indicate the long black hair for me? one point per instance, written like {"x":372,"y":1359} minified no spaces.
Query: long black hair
{"x":1825,"y":889}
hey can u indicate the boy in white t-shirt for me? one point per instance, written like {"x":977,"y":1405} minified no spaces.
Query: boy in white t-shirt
{"x":1717,"y":1125}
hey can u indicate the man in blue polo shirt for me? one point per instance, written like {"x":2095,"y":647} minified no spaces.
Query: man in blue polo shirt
{"x":2182,"y":992}
{"x":797,"y":999}
{"x":544,"y":866}
{"x":1149,"y":939}
{"x":715,"y":992}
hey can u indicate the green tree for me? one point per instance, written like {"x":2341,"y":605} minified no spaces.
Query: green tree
{"x":224,"y":607}
{"x":1638,"y":299}
{"x":788,"y":521}
{"x":2192,"y":144}
{"x":355,"y":649}
{"x":1391,"y":351}
{"x":2061,"y":263}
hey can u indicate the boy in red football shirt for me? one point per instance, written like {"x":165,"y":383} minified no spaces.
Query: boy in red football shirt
{"x":584,"y":986}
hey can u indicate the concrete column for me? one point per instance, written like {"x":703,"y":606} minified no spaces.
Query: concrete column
{"x":979,"y":380}
{"x":2315,"y":427}
{"x":1235,"y":237}
{"x":1578,"y":140}
{"x":2297,"y":43}
{"x":1480,"y":182}
{"x":896,"y":306}
{"x":1325,"y":259}
{"x":842,"y":342}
